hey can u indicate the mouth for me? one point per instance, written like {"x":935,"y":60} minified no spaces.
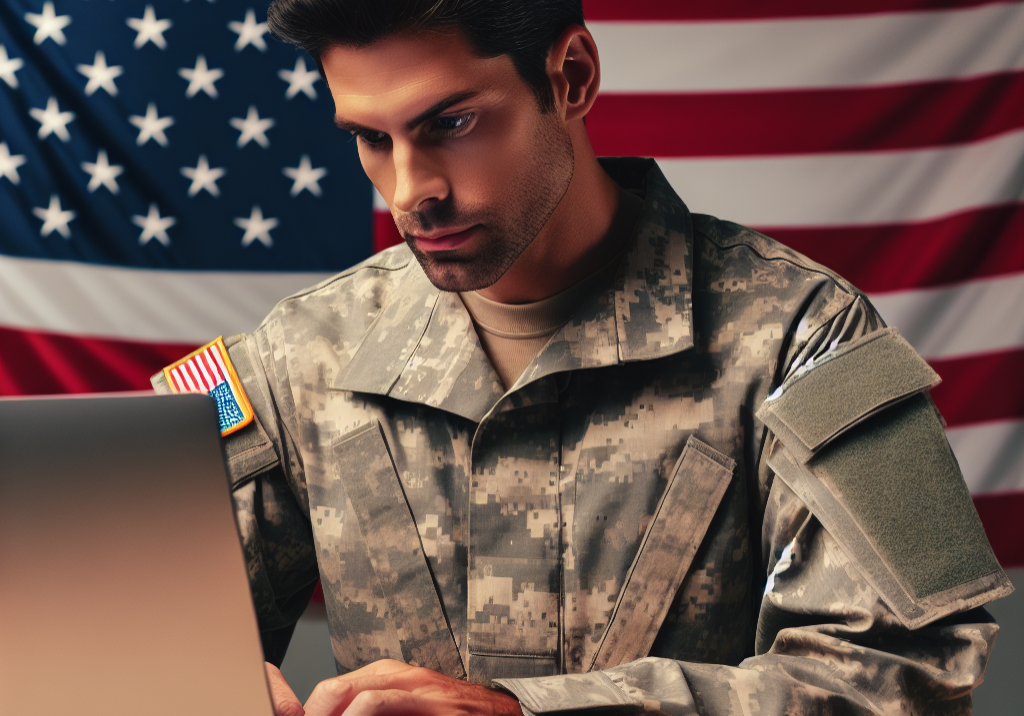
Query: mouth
{"x":446,"y":240}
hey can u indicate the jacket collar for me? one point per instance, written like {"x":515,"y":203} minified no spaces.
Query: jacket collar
{"x":422,"y":347}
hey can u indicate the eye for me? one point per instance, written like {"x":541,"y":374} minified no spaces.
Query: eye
{"x":451,"y":126}
{"x":372,"y":139}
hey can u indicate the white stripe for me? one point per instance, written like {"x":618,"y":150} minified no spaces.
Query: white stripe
{"x":210,"y":381}
{"x":973,"y":317}
{"x":179,"y":382}
{"x":220,"y":365}
{"x":378,"y":202}
{"x":991,"y":455}
{"x":220,"y":376}
{"x":852,"y":188}
{"x":183,"y":369}
{"x":138,"y":304}
{"x":852,"y":51}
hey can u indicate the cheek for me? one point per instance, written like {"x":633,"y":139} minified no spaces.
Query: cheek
{"x":496,"y":156}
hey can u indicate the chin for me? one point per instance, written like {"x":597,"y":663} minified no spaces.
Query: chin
{"x":456,"y":276}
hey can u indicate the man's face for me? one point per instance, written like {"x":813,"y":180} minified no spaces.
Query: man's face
{"x":458,"y":148}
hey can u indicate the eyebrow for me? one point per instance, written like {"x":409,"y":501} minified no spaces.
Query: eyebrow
{"x":428,"y":114}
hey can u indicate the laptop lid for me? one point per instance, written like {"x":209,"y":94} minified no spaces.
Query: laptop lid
{"x":123,"y":588}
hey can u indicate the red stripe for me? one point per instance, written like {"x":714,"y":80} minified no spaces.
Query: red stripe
{"x":605,"y":10}
{"x":385,"y":233}
{"x":214,"y":377}
{"x":1001,"y":513}
{"x":807,"y":121}
{"x":211,"y":365}
{"x":974,"y":244}
{"x":981,"y":387}
{"x":179,"y":383}
{"x":193,"y":374}
{"x":34,"y":363}
{"x":197,"y":376}
{"x":211,"y":368}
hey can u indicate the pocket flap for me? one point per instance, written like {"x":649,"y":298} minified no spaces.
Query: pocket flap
{"x":699,"y":481}
{"x":890,"y":492}
{"x":843,"y":388}
{"x":396,"y":553}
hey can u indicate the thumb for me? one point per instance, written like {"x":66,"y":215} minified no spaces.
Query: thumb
{"x":285,"y":701}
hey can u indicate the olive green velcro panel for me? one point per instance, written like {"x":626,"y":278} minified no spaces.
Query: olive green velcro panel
{"x":891,"y":493}
{"x":842,"y":388}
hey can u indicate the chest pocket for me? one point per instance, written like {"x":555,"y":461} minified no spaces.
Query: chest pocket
{"x":379,"y":592}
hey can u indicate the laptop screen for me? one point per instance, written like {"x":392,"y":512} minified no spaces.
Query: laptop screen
{"x":123,"y":588}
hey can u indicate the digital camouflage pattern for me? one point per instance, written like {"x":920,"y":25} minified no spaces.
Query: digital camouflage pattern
{"x":496,"y":535}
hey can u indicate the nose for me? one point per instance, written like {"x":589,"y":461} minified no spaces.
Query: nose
{"x":419,"y":181}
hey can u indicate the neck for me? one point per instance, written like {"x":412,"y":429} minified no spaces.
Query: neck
{"x":590,"y":225}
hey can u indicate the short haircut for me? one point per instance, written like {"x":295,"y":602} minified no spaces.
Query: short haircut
{"x":525,"y":30}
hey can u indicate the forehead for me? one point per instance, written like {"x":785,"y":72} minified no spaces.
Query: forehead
{"x":403,"y":73}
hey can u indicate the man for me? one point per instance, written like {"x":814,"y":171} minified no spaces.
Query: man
{"x":573,"y":447}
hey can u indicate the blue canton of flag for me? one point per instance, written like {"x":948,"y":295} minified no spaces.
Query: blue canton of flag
{"x":227,"y":407}
{"x":173,"y":135}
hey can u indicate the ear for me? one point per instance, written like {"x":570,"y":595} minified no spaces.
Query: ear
{"x":575,"y":72}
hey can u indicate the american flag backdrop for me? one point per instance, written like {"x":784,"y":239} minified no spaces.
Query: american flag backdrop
{"x":168,"y":171}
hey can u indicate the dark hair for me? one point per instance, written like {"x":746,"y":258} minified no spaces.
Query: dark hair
{"x":524,"y":30}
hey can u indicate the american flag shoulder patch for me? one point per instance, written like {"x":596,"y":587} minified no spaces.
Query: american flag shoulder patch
{"x":208,"y":370}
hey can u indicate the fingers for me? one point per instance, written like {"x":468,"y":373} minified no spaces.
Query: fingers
{"x":332,"y":696}
{"x":393,"y":702}
{"x":390,"y":688}
{"x":285,"y":701}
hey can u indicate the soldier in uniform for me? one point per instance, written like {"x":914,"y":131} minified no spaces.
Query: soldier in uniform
{"x":572,"y":447}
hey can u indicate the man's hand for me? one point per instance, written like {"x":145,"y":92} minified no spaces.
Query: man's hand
{"x":391,"y":687}
{"x":285,"y":701}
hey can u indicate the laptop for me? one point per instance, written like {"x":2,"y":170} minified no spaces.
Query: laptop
{"x":123,"y":588}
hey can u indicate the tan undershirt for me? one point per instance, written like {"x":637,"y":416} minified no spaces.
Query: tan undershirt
{"x":512,"y":334}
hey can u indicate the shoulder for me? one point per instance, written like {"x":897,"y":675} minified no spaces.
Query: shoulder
{"x":729,"y":242}
{"x":742,"y":270}
{"x":349,"y":300}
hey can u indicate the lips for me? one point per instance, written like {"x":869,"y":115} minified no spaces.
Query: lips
{"x":444,"y":242}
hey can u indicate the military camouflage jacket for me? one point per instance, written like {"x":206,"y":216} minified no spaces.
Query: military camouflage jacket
{"x":720,"y":488}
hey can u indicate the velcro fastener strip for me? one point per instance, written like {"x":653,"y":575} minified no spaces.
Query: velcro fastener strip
{"x":843,"y":388}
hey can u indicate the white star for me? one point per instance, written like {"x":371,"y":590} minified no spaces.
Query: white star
{"x":100,"y":75}
{"x":299,"y":80}
{"x":54,"y":218}
{"x":48,"y":24}
{"x":305,"y":176}
{"x":203,"y":177}
{"x":154,"y":226}
{"x":149,"y":29}
{"x":256,"y":227}
{"x":249,"y":32}
{"x":201,"y":78}
{"x":252,"y":127}
{"x":52,"y":120}
{"x":102,"y":173}
{"x":8,"y":66}
{"x":9,"y":164}
{"x":151,"y":126}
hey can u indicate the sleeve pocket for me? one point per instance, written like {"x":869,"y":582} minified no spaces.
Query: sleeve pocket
{"x":845,"y":387}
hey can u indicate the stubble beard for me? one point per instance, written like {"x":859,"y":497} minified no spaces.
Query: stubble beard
{"x":506,"y":229}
